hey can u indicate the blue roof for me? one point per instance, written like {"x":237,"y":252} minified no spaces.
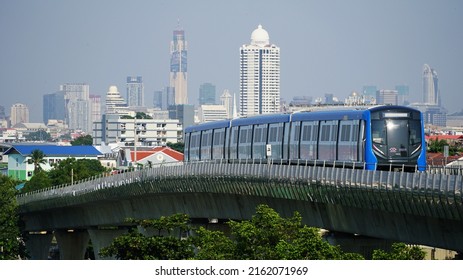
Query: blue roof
{"x":53,"y":150}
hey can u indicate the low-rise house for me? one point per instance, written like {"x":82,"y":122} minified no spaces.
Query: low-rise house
{"x":19,"y":157}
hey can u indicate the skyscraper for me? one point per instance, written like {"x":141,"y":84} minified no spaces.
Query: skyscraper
{"x":115,"y":103}
{"x":178,"y":66}
{"x":430,"y":86}
{"x":54,"y":107}
{"x":135,"y":91}
{"x":259,"y":75}
{"x":19,"y":114}
{"x":207,"y":94}
{"x":78,"y":107}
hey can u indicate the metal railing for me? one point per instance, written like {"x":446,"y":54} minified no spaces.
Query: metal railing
{"x":439,"y":186}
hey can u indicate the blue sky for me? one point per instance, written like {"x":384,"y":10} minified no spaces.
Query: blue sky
{"x":326,"y":46}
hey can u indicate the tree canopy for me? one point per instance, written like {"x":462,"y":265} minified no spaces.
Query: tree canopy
{"x":11,"y":245}
{"x":266,"y":236}
{"x":85,"y":140}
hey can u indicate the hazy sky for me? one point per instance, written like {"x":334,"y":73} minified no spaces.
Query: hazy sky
{"x":326,"y":46}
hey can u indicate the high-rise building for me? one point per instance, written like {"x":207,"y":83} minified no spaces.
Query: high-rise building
{"x":115,"y":103}
{"x":78,"y":107}
{"x":227,"y":101}
{"x":95,"y":108}
{"x":402,"y":94}
{"x":259,"y":75}
{"x":2,"y":113}
{"x":185,"y":113}
{"x":386,"y":97}
{"x":162,"y":99}
{"x":54,"y":107}
{"x":178,"y":66}
{"x":207,"y":95}
{"x":430,"y":86}
{"x":19,"y":114}
{"x":135,"y":91}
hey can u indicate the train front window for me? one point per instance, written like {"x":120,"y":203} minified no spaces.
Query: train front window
{"x":415,"y":132}
{"x":378,"y":132}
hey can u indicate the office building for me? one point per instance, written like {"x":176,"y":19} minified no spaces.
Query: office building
{"x":402,"y":94}
{"x":184,"y":113}
{"x":162,"y":99}
{"x":19,"y":114}
{"x":178,"y":66}
{"x":386,"y":97}
{"x":78,"y":107}
{"x":207,"y":95}
{"x":430,"y":86}
{"x":95,"y":101}
{"x":259,"y":75}
{"x":54,"y":107}
{"x":135,"y":91}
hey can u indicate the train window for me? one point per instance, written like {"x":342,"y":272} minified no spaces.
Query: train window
{"x":345,"y":132}
{"x":306,"y":132}
{"x":334,"y":132}
{"x":378,"y":131}
{"x":325,"y":133}
{"x":415,"y":132}
{"x":296,"y":132}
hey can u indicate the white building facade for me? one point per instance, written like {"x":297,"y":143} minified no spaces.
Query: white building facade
{"x":19,"y":114}
{"x":259,"y":75}
{"x":144,"y":132}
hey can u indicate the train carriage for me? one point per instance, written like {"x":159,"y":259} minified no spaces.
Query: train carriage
{"x":380,"y":137}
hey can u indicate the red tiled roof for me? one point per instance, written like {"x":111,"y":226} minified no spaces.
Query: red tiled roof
{"x":444,"y":137}
{"x":166,"y":150}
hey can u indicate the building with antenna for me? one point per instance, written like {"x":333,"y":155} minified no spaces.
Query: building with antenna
{"x":178,"y":66}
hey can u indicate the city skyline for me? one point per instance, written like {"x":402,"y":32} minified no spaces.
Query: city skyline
{"x":329,"y":47}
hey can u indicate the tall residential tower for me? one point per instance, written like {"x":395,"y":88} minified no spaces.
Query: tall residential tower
{"x":178,"y":66}
{"x":135,"y":91}
{"x":430,"y":86}
{"x":259,"y":75}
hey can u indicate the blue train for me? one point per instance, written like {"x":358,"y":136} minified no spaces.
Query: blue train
{"x":374,"y":138}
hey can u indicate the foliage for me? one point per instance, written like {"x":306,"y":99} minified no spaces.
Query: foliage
{"x":37,"y":158}
{"x":265,"y":236}
{"x":79,"y":169}
{"x":400,"y":251}
{"x":85,"y":140}
{"x":141,"y":115}
{"x":179,"y":146}
{"x":40,"y":135}
{"x":11,"y":246}
{"x":437,"y":146}
{"x":162,"y":246}
{"x":39,"y":181}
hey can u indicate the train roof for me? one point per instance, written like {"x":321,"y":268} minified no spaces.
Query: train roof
{"x":208,"y":125}
{"x":328,"y":113}
{"x":261,"y":119}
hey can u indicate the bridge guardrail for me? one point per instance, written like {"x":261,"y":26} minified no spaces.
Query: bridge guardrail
{"x":428,"y":182}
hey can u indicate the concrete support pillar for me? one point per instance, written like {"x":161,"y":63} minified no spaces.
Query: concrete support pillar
{"x":72,"y":244}
{"x":38,"y":245}
{"x":102,"y":238}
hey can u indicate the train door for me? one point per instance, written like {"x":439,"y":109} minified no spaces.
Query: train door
{"x":397,"y":138}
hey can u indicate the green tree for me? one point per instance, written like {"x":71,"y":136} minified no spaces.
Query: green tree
{"x":141,"y":115}
{"x":265,"y":236}
{"x":161,"y":245}
{"x":179,"y":146}
{"x":37,"y":158}
{"x":400,"y":251}
{"x":85,"y":140}
{"x":39,"y":181}
{"x":11,"y":245}
{"x":78,"y":169}
{"x":40,"y":135}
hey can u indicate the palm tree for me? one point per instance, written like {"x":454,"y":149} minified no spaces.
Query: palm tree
{"x":37,"y":158}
